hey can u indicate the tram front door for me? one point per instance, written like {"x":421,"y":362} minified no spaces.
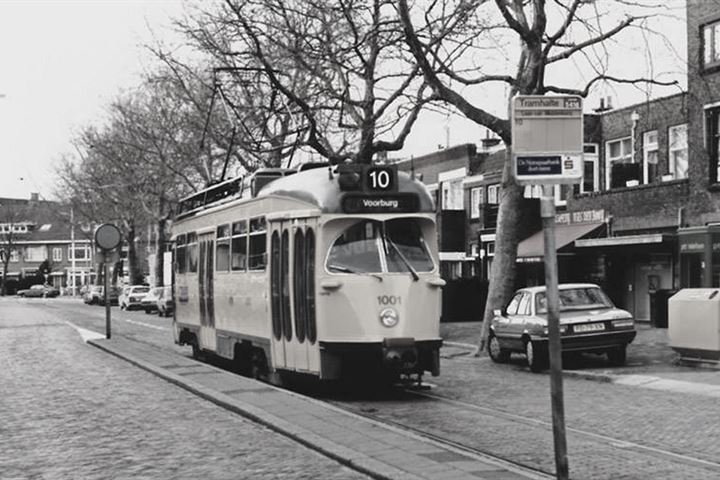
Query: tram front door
{"x":292,"y":270}
{"x":206,"y":263}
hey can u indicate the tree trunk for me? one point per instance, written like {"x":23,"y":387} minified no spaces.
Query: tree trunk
{"x":159,"y":252}
{"x":502,"y":275}
{"x":134,"y":270}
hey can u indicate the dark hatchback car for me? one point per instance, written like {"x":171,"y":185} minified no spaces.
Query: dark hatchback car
{"x":39,"y":290}
{"x":589,"y":322}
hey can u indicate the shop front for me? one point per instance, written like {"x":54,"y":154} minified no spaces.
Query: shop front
{"x":699,"y":249}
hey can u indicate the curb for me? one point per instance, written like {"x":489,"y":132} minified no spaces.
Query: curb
{"x":356,"y":461}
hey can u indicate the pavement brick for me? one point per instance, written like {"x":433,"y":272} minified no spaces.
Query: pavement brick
{"x":70,"y":411}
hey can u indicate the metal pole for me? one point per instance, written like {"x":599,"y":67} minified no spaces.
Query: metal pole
{"x":106,"y":256}
{"x":72,"y":249}
{"x":547,"y":212}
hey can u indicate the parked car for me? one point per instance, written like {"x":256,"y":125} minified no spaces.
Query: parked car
{"x":39,"y":290}
{"x":92,"y":294}
{"x":165,"y":305}
{"x":132,"y":295}
{"x":149,"y":302}
{"x":589,"y":322}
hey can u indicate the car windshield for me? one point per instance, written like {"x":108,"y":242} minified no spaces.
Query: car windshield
{"x":585,"y":298}
{"x":141,"y":290}
{"x":372,"y":246}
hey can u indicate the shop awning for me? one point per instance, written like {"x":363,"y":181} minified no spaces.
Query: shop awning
{"x":645,"y":239}
{"x":534,"y":247}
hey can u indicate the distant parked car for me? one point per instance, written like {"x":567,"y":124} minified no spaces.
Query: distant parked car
{"x":589,"y":322}
{"x":132,"y":296}
{"x":92,"y":294}
{"x":39,"y":290}
{"x":149,"y":303}
{"x":165,"y":305}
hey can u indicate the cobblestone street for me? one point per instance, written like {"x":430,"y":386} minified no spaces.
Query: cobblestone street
{"x":70,"y":411}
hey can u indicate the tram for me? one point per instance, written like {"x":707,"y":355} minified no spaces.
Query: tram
{"x":330,"y":271}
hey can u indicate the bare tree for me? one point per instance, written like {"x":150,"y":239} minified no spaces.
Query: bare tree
{"x":454,"y":47}
{"x":338,"y":78}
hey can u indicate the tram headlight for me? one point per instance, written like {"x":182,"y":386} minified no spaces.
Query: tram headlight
{"x":389,"y":317}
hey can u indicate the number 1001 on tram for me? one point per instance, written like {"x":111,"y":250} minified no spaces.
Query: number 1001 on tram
{"x":331,"y":272}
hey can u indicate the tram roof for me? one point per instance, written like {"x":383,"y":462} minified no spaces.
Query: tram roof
{"x":317,"y":188}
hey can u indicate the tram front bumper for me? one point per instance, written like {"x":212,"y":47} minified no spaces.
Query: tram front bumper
{"x":397,"y":355}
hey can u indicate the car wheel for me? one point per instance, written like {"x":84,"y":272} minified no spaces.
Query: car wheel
{"x":618,"y":356}
{"x":536,"y":357}
{"x":497,"y":353}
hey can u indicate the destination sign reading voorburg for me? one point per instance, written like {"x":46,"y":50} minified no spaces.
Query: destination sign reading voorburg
{"x":547,"y":139}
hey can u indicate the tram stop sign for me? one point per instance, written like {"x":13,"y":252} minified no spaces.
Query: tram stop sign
{"x":547,"y":139}
{"x":107,"y":237}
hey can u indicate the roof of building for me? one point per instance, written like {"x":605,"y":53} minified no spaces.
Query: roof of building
{"x":45,"y":220}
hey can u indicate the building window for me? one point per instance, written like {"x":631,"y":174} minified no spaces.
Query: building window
{"x":493,"y":192}
{"x":79,"y":253}
{"x":711,"y":44}
{"x":618,"y":153}
{"x":476,"y":198}
{"x":650,"y":156}
{"x":561,"y":193}
{"x":591,"y":176}
{"x":678,"y":151}
{"x":14,"y":256}
{"x":712,"y":129}
{"x":35,"y":254}
{"x":452,"y":195}
{"x":57,"y":254}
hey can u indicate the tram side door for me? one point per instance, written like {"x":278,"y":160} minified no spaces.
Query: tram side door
{"x":279,"y":293}
{"x":206,"y":268}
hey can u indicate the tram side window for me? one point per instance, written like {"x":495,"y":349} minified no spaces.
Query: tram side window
{"x":180,"y":257}
{"x":238,"y":257}
{"x":257,"y":240}
{"x":222,"y":256}
{"x":310,"y":325}
{"x":192,"y":252}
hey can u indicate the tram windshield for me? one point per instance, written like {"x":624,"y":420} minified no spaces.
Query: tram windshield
{"x":372,"y":246}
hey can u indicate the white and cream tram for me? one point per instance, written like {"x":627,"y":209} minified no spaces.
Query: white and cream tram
{"x":329,"y":271}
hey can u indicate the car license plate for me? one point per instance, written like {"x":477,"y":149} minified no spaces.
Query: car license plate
{"x":589,"y":327}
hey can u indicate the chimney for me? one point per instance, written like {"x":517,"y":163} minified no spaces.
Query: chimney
{"x":34,"y":197}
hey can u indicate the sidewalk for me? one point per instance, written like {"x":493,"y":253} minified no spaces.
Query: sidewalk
{"x":651,"y":362}
{"x":364,"y":445}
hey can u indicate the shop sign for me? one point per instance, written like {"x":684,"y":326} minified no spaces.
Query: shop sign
{"x":693,"y":243}
{"x":585,"y":216}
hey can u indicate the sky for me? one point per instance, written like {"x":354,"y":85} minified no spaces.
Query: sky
{"x":63,"y":61}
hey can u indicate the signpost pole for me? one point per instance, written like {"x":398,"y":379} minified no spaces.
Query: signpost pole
{"x":106,"y":271}
{"x":107,"y":239}
{"x":547,"y":212}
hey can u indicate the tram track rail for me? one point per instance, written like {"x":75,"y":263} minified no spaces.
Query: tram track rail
{"x":613,"y":443}
{"x":458,"y":447}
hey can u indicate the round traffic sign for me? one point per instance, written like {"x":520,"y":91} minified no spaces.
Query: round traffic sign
{"x":107,"y":236}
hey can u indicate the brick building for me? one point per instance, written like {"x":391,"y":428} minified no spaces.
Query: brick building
{"x":34,"y":231}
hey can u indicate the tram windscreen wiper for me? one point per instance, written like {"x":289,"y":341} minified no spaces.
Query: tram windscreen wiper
{"x":387,"y":240}
{"x":346,"y":269}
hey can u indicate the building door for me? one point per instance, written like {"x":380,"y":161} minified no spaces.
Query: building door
{"x":206,"y":262}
